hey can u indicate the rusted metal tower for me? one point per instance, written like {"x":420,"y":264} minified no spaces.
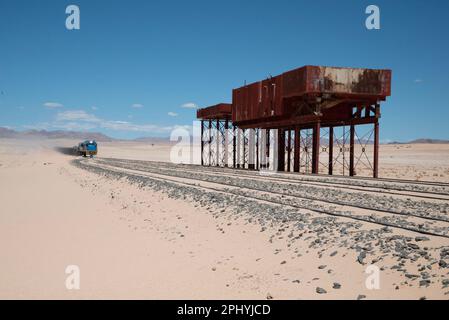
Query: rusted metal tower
{"x":305,"y":120}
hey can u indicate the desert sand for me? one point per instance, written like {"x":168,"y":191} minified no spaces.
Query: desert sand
{"x":136,"y":242}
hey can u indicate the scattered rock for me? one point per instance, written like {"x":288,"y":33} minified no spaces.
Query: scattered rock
{"x":361,"y":257}
{"x":320,"y":290}
{"x":424,"y":283}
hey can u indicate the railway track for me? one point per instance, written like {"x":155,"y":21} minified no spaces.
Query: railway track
{"x":439,"y":210}
{"x":423,"y":189}
{"x":275,"y":178}
{"x":435,"y":225}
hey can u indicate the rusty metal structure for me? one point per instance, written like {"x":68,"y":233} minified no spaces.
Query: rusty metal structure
{"x":305,"y":120}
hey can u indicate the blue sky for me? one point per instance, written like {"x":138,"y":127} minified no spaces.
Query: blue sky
{"x":136,"y":68}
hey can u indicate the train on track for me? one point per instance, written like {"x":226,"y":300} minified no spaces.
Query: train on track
{"x":87,"y":148}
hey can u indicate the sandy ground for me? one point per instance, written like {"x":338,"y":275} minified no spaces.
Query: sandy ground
{"x":130,"y":242}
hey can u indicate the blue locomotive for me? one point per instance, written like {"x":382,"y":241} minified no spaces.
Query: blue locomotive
{"x":87,"y":148}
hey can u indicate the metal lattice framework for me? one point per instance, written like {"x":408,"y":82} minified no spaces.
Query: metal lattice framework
{"x":305,"y":153}
{"x":324,"y":150}
{"x":362,"y":160}
{"x":339,"y":149}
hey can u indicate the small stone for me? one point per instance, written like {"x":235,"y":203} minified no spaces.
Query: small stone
{"x":322,"y":266}
{"x":361,"y":296}
{"x":421,"y":238}
{"x":442,"y":264}
{"x":424,"y":283}
{"x":284,"y":262}
{"x":333,"y":253}
{"x":320,"y":290}
{"x":269,"y":296}
{"x":361,"y":257}
{"x":336,"y":285}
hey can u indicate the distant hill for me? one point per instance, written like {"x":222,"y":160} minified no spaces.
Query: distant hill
{"x":61,"y":134}
{"x":153,"y":139}
{"x":423,"y":141}
{"x":429,"y":141}
{"x":57,"y":134}
{"x":7,"y":133}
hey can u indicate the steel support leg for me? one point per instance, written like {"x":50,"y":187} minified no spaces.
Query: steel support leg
{"x":289,"y":149}
{"x":251,"y":147}
{"x":351,"y":150}
{"x":316,"y":148}
{"x":262,"y":148}
{"x":297,"y":147}
{"x":376,"y":150}
{"x":233,"y":146}
{"x":331,"y":150}
{"x":217,"y":143}
{"x":226,"y":143}
{"x":239,"y":147}
{"x":202,"y":142}
{"x":281,"y":150}
{"x":210,"y":143}
{"x":267,"y":148}
{"x":257,"y":149}
{"x":245,"y":148}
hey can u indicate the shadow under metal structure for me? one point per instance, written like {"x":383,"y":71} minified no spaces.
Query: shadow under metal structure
{"x":307,"y":120}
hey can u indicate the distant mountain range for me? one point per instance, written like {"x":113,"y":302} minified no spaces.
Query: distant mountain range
{"x":426,"y":141}
{"x":61,"y":134}
{"x":77,"y":135}
{"x":57,"y":134}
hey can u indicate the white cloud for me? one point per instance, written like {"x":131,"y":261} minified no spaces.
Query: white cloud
{"x":418,"y":80}
{"x":137,"y":105}
{"x":172,"y":114}
{"x":73,"y":115}
{"x":38,"y":126}
{"x":94,"y":108}
{"x":129,"y":126}
{"x":53,"y":105}
{"x":189,"y":105}
{"x":73,"y":126}
{"x":80,"y":120}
